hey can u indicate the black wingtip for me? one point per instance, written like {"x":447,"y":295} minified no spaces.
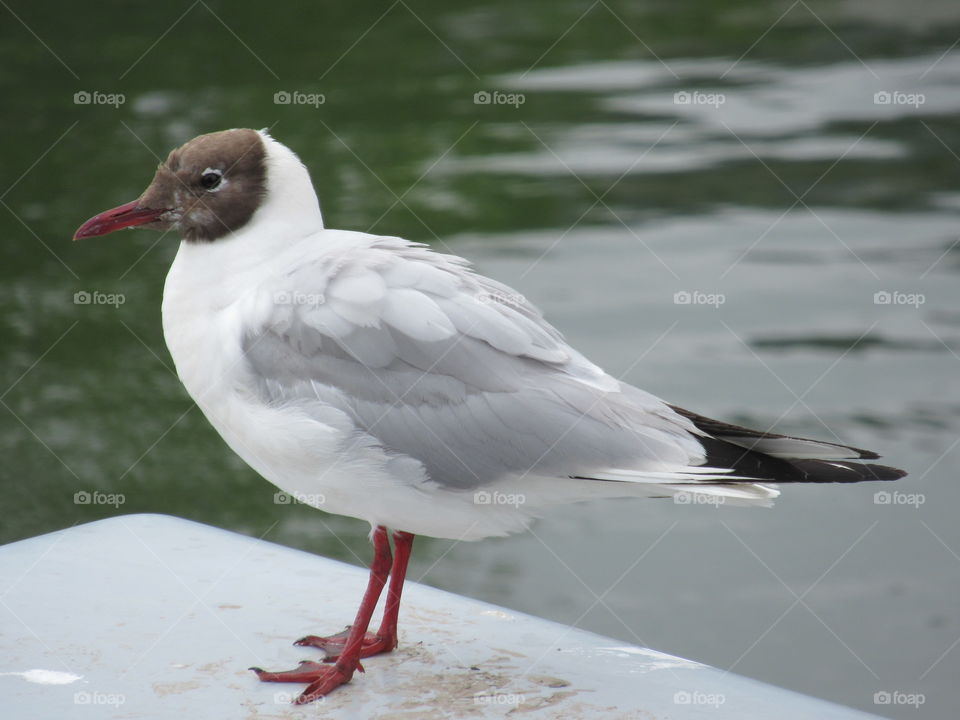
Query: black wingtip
{"x":760,"y":466}
{"x":840,"y":471}
{"x":757,"y":441}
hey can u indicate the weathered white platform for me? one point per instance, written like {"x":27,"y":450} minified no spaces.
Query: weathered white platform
{"x":149,"y":616}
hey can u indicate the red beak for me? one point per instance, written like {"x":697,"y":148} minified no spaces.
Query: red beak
{"x":129,"y":215}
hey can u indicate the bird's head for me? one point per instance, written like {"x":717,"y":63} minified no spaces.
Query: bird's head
{"x":205,"y":189}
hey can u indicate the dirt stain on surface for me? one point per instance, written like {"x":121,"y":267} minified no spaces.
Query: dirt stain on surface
{"x":416,"y":686}
{"x":176,"y":688}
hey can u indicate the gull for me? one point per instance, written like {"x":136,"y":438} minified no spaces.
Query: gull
{"x":372,"y":377}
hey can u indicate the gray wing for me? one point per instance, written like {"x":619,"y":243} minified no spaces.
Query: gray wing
{"x":434,"y":362}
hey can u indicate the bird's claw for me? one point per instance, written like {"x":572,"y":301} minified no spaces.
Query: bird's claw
{"x":322,"y":678}
{"x":332,"y":645}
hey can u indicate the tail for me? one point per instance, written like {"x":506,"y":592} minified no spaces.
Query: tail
{"x":784,"y":459}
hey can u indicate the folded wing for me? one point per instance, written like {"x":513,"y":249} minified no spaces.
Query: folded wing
{"x":460,"y":373}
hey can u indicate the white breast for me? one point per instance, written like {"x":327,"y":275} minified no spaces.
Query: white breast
{"x":205,"y":311}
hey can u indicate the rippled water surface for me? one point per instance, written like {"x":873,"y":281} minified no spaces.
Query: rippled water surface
{"x":750,"y":209}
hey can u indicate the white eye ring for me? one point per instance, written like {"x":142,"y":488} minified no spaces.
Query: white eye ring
{"x":215,"y":187}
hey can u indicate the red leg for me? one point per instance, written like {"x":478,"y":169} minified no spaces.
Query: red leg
{"x":322,"y":677}
{"x":402,"y":545}
{"x":385,"y":639}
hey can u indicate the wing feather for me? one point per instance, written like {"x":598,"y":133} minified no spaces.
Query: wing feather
{"x":454,"y":370}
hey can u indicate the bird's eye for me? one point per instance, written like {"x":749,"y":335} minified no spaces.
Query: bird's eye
{"x":210,"y":179}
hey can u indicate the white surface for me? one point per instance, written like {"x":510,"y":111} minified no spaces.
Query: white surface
{"x":150,"y":616}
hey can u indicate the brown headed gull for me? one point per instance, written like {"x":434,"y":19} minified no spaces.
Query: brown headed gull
{"x":372,"y":377}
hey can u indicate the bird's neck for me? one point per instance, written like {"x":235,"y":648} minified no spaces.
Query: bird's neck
{"x":291,"y":204}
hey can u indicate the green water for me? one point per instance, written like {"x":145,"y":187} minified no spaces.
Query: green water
{"x":797,"y":198}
